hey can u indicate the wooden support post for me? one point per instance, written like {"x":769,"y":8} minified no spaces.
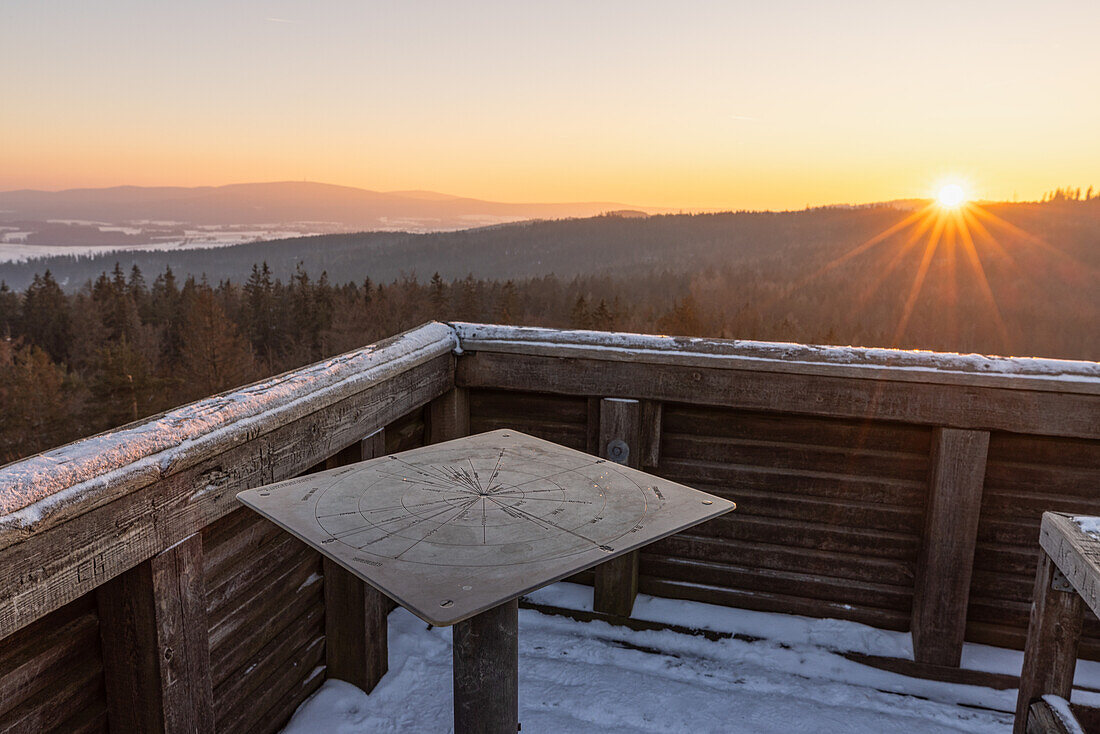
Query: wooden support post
{"x":449,"y":416}
{"x":946,"y":560}
{"x":592,"y":427}
{"x":486,"y":671}
{"x":616,"y":584}
{"x":356,"y":648}
{"x":652,"y":415}
{"x":156,"y":645}
{"x":1050,"y":655}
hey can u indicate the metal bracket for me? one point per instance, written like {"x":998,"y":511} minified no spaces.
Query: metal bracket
{"x":1059,"y":582}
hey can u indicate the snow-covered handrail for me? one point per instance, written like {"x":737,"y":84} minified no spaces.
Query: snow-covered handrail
{"x":860,"y":362}
{"x":86,"y":473}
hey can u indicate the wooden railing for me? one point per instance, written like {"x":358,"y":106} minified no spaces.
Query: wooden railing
{"x":1067,"y":581}
{"x":898,"y":489}
{"x":135,"y":591}
{"x":878,"y":458}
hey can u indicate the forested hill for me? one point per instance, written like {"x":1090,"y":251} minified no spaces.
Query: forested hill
{"x":139,"y":338}
{"x":606,"y":244}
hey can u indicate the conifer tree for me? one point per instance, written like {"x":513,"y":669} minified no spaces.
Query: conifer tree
{"x":437,"y":294}
{"x":214,"y":356}
{"x":45,"y":319}
{"x":579,"y":317}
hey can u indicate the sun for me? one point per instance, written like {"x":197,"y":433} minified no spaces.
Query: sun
{"x":951,"y":196}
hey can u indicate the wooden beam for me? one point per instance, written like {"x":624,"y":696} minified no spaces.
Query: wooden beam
{"x":155,"y":644}
{"x":880,"y":398}
{"x":486,"y":671}
{"x":356,"y":613}
{"x":58,"y":564}
{"x":946,"y":559}
{"x":592,"y":427}
{"x":858,"y":362}
{"x":449,"y":416}
{"x":1050,"y":656}
{"x":1042,"y":719}
{"x":616,"y":584}
{"x":356,"y":647}
{"x":52,"y":488}
{"x":652,"y":415}
{"x":1076,"y":554}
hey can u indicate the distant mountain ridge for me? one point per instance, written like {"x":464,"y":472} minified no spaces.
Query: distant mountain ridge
{"x":284,"y":202}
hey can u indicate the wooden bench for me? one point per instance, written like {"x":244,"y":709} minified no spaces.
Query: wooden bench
{"x":1068,"y":578}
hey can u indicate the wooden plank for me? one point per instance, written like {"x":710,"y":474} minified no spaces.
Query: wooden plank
{"x":1077,"y":482}
{"x":793,"y":457}
{"x":893,"y":399}
{"x":47,"y":710}
{"x":355,"y":629}
{"x":652,"y":420}
{"x":276,"y":655}
{"x":529,"y":404}
{"x":1042,"y":719}
{"x":802,"y":429}
{"x":156,"y":653}
{"x":252,"y":714}
{"x":486,"y":671}
{"x":355,"y":612}
{"x":242,"y":633}
{"x":946,"y":560}
{"x":254,"y":573}
{"x":945,"y":673}
{"x":800,"y":482}
{"x":795,"y":534}
{"x":773,"y":556}
{"x":1040,"y":451}
{"x":32,"y":658}
{"x":1076,"y":554}
{"x":771,"y":602}
{"x":56,"y":565}
{"x":449,"y":416}
{"x":406,"y":432}
{"x":227,"y":541}
{"x":52,"y":488}
{"x":355,"y":624}
{"x":1050,"y":655}
{"x":616,"y":584}
{"x":794,"y":583}
{"x":564,"y":434}
{"x":827,"y":511}
{"x":592,"y":426}
{"x":769,"y":357}
{"x":276,"y":718}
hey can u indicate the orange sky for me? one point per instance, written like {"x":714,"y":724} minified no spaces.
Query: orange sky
{"x":684,"y":104}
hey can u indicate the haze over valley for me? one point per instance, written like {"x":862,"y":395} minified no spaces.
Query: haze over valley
{"x":85,"y":221}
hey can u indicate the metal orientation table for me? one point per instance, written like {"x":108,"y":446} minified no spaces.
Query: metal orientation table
{"x":457,"y":531}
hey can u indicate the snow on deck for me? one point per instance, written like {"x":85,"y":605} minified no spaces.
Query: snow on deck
{"x":585,"y":677}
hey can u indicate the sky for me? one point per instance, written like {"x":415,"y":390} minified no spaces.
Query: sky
{"x":774,"y":104}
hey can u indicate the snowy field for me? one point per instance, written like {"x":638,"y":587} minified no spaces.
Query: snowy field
{"x":587,"y":677}
{"x":16,"y":251}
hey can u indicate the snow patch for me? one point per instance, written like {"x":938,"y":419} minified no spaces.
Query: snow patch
{"x":310,"y":581}
{"x":584,"y":677}
{"x":1089,"y":525}
{"x":1061,"y":709}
